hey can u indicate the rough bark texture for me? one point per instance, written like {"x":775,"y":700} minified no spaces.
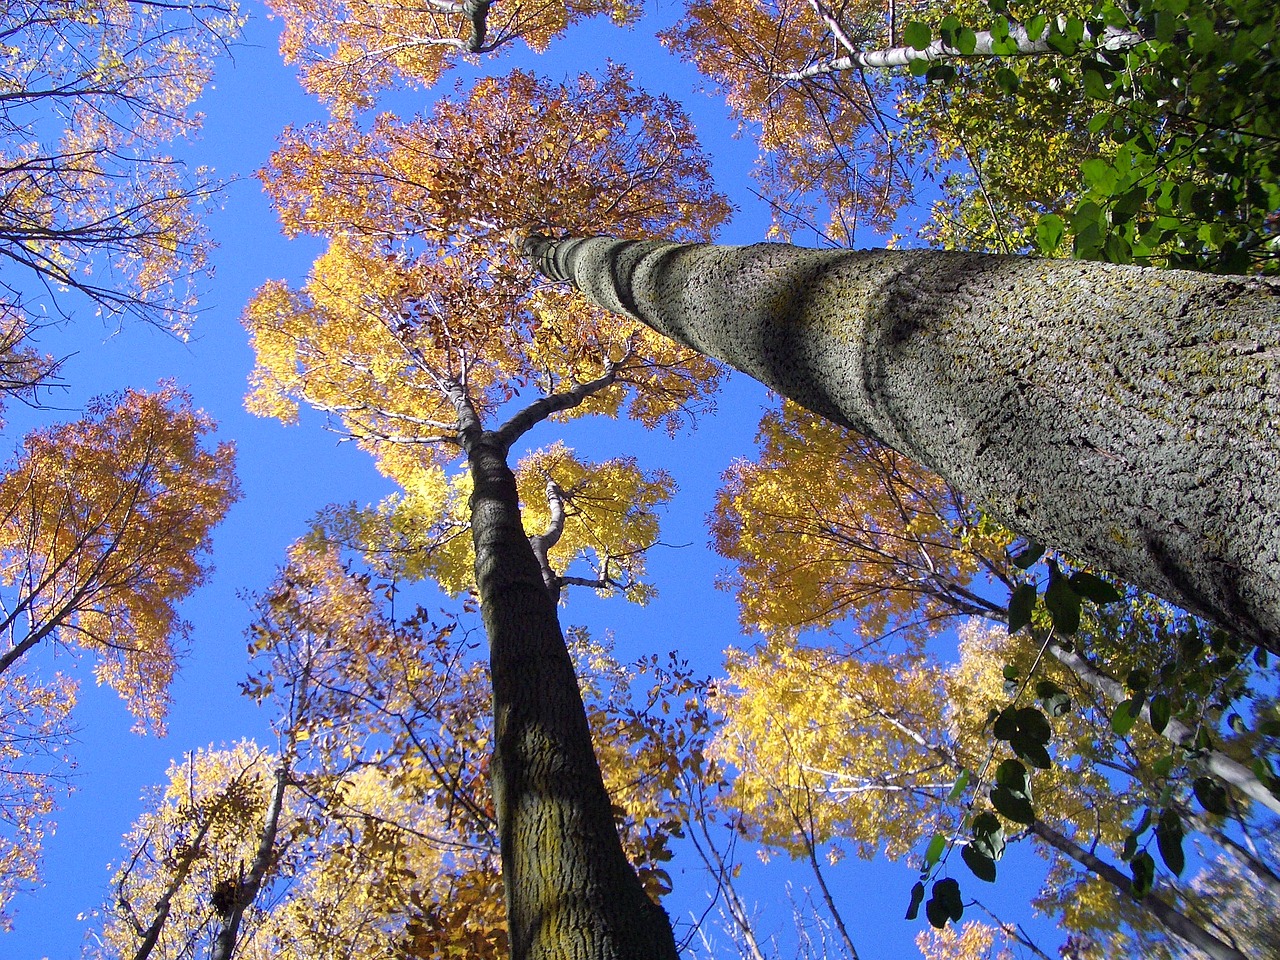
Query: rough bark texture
{"x":1126,"y":416}
{"x":571,"y":894}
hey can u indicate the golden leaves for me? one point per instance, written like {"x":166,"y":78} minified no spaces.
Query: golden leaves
{"x":830,"y":747}
{"x":821,"y":142}
{"x":99,"y":88}
{"x":422,"y":301}
{"x":103,"y":526}
{"x":349,"y":50}
{"x":828,"y":525}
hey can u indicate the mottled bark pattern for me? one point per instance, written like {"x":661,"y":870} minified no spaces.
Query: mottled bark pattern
{"x":571,"y":894}
{"x":1129,"y":417}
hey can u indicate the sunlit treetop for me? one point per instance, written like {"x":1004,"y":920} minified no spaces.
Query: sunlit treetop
{"x":104,"y":528}
{"x":349,"y":50}
{"x":422,"y":298}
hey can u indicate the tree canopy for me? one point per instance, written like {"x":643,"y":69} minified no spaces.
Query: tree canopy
{"x":1004,"y":552}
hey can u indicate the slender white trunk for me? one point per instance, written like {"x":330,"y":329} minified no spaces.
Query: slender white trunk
{"x":1106,"y":38}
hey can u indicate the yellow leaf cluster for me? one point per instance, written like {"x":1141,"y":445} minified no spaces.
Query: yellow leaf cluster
{"x":973,"y":941}
{"x":349,"y":50}
{"x":827,"y":525}
{"x":833,"y":748}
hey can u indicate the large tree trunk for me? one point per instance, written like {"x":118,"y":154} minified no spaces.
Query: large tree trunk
{"x":1129,"y":417}
{"x":571,"y":894}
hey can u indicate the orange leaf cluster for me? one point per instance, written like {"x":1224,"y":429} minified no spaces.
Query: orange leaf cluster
{"x":348,"y":50}
{"x":103,"y":526}
{"x":824,"y":144}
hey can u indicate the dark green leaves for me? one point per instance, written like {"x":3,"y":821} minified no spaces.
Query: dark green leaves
{"x":983,"y":867}
{"x":1144,"y":874}
{"x":917,"y":35}
{"x":917,"y":897}
{"x":1169,"y":841}
{"x":1027,"y":731}
{"x":1062,"y":597}
{"x":1009,"y":804}
{"x":945,"y":903}
{"x":1211,"y":794}
{"x":1056,"y":700}
{"x":1062,"y":602}
{"x":1021,"y":602}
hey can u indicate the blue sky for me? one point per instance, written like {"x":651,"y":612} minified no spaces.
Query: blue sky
{"x":290,"y":473}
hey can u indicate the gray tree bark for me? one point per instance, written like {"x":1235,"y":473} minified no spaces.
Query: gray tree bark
{"x":1129,"y":417}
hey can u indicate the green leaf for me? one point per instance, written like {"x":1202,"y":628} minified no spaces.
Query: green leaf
{"x":1127,"y":205}
{"x":1013,"y":775}
{"x":1211,"y":794}
{"x":1099,"y":175}
{"x":1144,"y":874}
{"x":1056,"y":700}
{"x":940,"y":73}
{"x":1012,"y":806}
{"x":1094,"y":588}
{"x":1036,"y":25}
{"x":1063,"y":604}
{"x":1161,"y":712}
{"x":1034,"y":725}
{"x":1049,"y":230}
{"x":988,"y":835}
{"x":1095,"y":84}
{"x":917,"y":35}
{"x":933,"y":853}
{"x":1169,"y":840}
{"x":1032,"y":752}
{"x":1032,"y":552}
{"x":917,"y":896}
{"x":966,"y":41}
{"x":957,"y":789}
{"x":1021,"y":602}
{"x":918,"y":68}
{"x":1125,"y":715}
{"x":1006,"y":725}
{"x":983,"y":867}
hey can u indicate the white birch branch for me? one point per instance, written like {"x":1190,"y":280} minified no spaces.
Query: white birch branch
{"x":1108,"y":38}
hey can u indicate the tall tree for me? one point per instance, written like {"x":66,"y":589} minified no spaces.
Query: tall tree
{"x":104,"y":528}
{"x":380,"y":836}
{"x":417,"y":332}
{"x":92,"y":92}
{"x":1122,"y":415}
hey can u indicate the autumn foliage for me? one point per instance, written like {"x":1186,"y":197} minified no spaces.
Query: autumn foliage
{"x":94,"y":92}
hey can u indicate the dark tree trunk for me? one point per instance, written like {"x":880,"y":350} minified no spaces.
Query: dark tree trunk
{"x":570,"y":891}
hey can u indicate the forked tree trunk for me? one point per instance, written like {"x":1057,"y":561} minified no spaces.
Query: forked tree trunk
{"x":1129,"y":417}
{"x":571,"y":893}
